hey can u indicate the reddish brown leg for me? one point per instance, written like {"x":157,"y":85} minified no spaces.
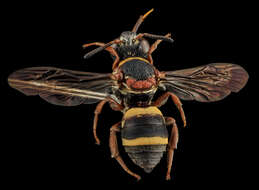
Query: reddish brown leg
{"x":94,"y":44}
{"x":172,"y":145}
{"x":116,"y":62}
{"x":115,"y":151}
{"x":162,"y":99}
{"x":154,"y":47}
{"x":150,"y":59}
{"x":115,"y":106}
{"x":110,"y":49}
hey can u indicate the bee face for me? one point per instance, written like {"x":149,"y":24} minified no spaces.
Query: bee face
{"x":128,"y":38}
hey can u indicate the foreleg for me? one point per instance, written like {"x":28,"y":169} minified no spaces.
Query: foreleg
{"x":110,"y":49}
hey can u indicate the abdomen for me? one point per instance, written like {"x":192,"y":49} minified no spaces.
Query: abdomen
{"x":144,"y":136}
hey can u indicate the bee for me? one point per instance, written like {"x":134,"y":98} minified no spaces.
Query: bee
{"x":130,"y":88}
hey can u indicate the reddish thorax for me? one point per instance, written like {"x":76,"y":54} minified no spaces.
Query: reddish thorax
{"x":140,"y":84}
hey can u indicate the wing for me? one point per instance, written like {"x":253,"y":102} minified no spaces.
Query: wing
{"x":207,"y":83}
{"x":62,"y":87}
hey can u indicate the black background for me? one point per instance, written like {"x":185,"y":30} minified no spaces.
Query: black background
{"x":52,"y":146}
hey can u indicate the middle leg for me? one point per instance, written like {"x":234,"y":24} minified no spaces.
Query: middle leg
{"x":115,"y":106}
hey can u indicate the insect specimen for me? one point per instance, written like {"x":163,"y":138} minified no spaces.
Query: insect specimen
{"x":130,"y":88}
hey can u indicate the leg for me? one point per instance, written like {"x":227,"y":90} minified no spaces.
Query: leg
{"x":153,"y":48}
{"x":110,"y":49}
{"x":115,"y":106}
{"x":162,"y":99}
{"x":94,"y":44}
{"x":154,"y":45}
{"x":115,"y":151}
{"x":172,"y":144}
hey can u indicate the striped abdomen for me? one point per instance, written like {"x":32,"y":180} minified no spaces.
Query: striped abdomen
{"x":144,"y":136}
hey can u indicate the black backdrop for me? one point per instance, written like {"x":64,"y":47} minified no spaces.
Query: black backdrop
{"x":53,"y":146}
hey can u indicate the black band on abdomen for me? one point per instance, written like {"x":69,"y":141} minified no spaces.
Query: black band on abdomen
{"x":144,"y":126}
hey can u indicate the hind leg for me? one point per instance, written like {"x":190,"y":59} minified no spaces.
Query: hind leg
{"x":172,"y":144}
{"x":115,"y":151}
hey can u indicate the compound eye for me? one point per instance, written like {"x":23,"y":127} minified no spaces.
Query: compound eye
{"x":133,"y":40}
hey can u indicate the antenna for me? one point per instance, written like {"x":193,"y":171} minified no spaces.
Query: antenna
{"x":140,"y":20}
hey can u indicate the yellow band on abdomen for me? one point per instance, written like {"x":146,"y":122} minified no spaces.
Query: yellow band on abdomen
{"x":152,"y":110}
{"x":145,"y":141}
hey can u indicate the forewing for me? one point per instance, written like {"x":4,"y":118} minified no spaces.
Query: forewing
{"x":207,"y":83}
{"x":61,"y":86}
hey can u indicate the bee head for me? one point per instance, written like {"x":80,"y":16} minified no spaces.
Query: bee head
{"x":128,"y":38}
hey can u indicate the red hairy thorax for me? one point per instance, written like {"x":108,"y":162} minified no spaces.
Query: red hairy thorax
{"x":141,"y":84}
